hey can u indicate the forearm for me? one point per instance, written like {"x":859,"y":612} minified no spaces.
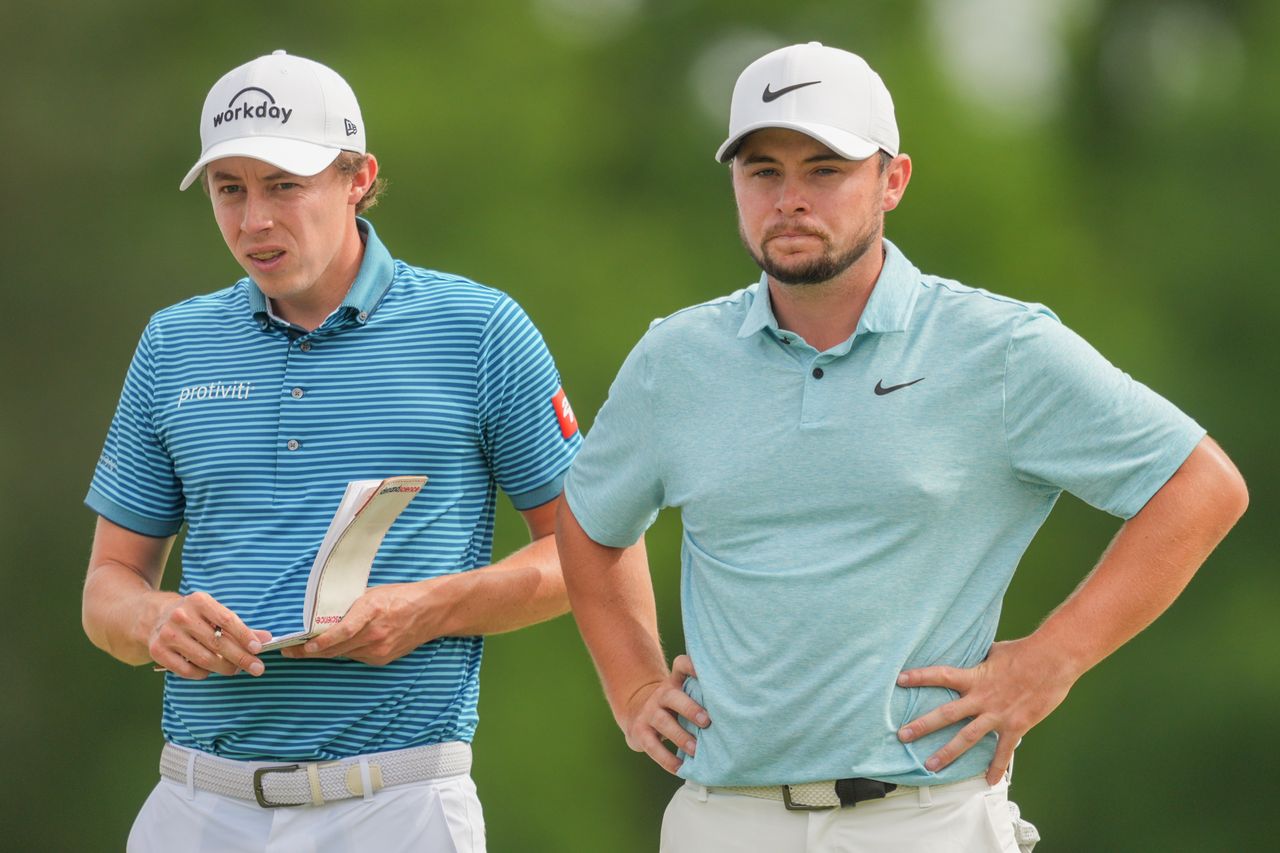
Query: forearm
{"x":119,"y":611}
{"x":1150,"y":561}
{"x":520,"y":590}
{"x":612,"y":598}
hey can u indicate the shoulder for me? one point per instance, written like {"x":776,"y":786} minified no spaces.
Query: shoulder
{"x":706,"y":320}
{"x":208,"y":312}
{"x":456,"y":296}
{"x":975,"y":309}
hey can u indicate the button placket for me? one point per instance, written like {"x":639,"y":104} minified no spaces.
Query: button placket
{"x":293,"y":389}
{"x":817,"y":389}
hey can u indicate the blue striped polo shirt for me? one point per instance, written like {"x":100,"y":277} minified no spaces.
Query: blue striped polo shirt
{"x":247,"y":430}
{"x":852,"y":513}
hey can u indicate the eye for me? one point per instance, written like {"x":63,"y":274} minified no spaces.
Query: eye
{"x":766,"y":172}
{"x":229,"y":189}
{"x":287,"y":185}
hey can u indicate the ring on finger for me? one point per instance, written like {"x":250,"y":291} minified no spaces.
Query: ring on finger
{"x":217,"y":633}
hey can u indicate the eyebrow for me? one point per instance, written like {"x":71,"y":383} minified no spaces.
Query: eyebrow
{"x":816,"y":158}
{"x":227,"y":176}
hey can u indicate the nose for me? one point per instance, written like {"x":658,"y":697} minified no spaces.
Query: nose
{"x":791,"y":197}
{"x":256,"y":212}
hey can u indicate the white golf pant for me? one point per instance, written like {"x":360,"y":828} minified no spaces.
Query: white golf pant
{"x":965,"y":817}
{"x":437,"y":815}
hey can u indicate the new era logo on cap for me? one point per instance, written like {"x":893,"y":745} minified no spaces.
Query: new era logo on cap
{"x":827,"y":93}
{"x":291,"y":112}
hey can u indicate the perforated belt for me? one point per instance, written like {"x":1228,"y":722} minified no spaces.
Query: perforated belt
{"x":815,"y":796}
{"x":316,"y":782}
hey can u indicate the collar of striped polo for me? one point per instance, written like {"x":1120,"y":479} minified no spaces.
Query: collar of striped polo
{"x":888,"y":310}
{"x":372,"y":281}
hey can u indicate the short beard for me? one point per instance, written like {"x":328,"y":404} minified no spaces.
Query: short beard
{"x":817,"y":271}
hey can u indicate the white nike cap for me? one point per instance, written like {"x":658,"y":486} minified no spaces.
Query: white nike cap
{"x":824,"y":92}
{"x":291,"y":112}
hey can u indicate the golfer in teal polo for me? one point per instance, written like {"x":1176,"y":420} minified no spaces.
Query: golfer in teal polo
{"x":861,"y":453}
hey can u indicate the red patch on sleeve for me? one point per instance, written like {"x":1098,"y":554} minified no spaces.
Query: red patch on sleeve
{"x":564,"y":413}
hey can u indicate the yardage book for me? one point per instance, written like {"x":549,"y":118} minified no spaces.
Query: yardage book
{"x":340,"y":573}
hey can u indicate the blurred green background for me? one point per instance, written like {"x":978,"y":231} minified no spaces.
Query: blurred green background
{"x":1115,"y":160}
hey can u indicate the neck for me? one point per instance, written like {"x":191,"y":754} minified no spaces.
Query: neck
{"x":827,"y":313}
{"x":310,"y":308}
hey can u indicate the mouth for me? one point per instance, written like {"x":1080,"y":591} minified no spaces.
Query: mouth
{"x":789,"y":242}
{"x":266,"y":259}
{"x":793,"y":234}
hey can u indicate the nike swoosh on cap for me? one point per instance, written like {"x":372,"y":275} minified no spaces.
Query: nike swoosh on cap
{"x":774,"y":95}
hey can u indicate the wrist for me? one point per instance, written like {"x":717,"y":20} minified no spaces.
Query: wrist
{"x":1057,"y":656}
{"x":436,"y":605}
{"x":154,"y":609}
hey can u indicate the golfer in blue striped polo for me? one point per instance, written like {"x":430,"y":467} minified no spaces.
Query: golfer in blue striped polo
{"x":244,"y":414}
{"x":860,"y":454}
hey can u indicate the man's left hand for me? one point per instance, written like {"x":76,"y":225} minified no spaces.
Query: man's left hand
{"x":384,"y":624}
{"x":1016,"y":687}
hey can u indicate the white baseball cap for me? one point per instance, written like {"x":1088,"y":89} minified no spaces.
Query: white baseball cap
{"x":291,"y":112}
{"x":827,"y":93}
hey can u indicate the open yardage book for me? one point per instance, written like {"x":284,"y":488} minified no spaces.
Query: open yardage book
{"x":340,"y":573}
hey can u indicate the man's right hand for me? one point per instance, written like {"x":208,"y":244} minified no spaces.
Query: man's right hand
{"x":651,"y":716}
{"x":195,"y":636}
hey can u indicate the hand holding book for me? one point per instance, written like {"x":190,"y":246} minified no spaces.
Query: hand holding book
{"x":340,"y":572}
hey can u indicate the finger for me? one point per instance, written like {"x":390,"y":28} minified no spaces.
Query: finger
{"x":959,"y":745}
{"x":173,"y":648}
{"x":342,"y":633}
{"x":207,"y":652}
{"x":194,"y":653}
{"x":239,"y":658}
{"x":219,"y":615}
{"x":681,"y":703}
{"x":168,"y":660}
{"x":683,"y":666}
{"x":654,"y":748}
{"x":226,"y":649}
{"x":939,"y":718}
{"x":669,"y":728}
{"x":1005,"y":746}
{"x":951,"y":677}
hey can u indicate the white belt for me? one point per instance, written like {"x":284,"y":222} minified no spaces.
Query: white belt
{"x":812,"y":796}
{"x":815,"y":796}
{"x":315,"y":782}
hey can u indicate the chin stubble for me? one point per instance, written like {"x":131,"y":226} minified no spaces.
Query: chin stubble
{"x":821,"y":269}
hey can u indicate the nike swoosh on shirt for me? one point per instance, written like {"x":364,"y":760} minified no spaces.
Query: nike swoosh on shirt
{"x":881,"y":390}
{"x":772,"y":96}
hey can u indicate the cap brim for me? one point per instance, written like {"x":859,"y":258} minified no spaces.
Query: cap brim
{"x":293,"y":155}
{"x":842,"y":142}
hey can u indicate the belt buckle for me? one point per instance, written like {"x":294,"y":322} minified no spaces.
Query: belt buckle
{"x":793,"y":806}
{"x":258,"y":793}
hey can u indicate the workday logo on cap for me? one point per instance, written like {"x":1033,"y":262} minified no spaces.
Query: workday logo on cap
{"x":268,"y":108}
{"x":293,"y":113}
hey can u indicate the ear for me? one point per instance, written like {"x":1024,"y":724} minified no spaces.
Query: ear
{"x":362,"y":180}
{"x":897,"y":176}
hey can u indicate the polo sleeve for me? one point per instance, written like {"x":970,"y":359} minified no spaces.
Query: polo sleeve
{"x":527,"y":428}
{"x":134,"y":484}
{"x":615,"y":487}
{"x":1075,"y":422}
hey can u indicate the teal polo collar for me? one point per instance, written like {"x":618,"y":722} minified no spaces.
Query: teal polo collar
{"x":377,"y":270}
{"x":893,"y":298}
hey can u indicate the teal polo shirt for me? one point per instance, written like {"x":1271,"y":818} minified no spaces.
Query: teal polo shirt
{"x":852,"y":513}
{"x":246,"y":430}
